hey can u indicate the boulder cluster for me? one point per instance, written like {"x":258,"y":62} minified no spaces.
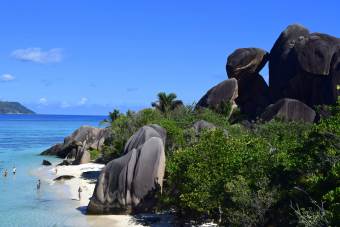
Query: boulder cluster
{"x":75,"y":148}
{"x":128,"y":184}
{"x":304,"y":71}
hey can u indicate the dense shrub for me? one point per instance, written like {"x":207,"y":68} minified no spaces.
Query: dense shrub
{"x":274,"y":173}
{"x":286,"y":174}
{"x":220,"y":173}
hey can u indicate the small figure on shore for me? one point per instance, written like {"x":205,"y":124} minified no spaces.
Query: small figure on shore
{"x":38,"y":184}
{"x":5,"y":173}
{"x":14,"y":170}
{"x":79,"y":192}
{"x":56,"y":170}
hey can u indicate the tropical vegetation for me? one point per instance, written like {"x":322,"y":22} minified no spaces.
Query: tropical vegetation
{"x":259,"y":174}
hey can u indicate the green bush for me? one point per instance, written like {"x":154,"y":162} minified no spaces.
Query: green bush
{"x":94,"y":153}
{"x":201,"y":178}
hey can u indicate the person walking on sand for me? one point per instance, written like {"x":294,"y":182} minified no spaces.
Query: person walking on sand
{"x":56,"y":170}
{"x":79,"y":192}
{"x":38,"y":184}
{"x":14,"y":170}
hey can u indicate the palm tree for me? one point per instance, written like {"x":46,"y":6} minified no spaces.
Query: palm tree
{"x":112,"y":117}
{"x":166,"y":103}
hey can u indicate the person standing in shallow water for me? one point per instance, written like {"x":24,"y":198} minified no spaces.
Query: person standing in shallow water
{"x":14,"y":170}
{"x":5,"y":173}
{"x":79,"y":192}
{"x":38,"y":184}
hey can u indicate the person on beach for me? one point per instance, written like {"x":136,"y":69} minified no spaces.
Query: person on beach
{"x":14,"y":170}
{"x":38,"y":184}
{"x":56,"y":170}
{"x":5,"y":173}
{"x":79,"y":192}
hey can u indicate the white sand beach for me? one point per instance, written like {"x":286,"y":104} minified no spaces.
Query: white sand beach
{"x":87,"y":186}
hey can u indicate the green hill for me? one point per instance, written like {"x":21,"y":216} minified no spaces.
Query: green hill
{"x":13,"y":108}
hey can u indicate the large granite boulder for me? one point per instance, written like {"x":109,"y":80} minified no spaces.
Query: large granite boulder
{"x":128,"y":184}
{"x":142,"y":135}
{"x":244,"y":64}
{"x":289,"y":110}
{"x":222,"y":93}
{"x":253,"y":95}
{"x":246,"y":61}
{"x":82,"y":157}
{"x":305,"y":66}
{"x":282,"y":60}
{"x":83,"y":139}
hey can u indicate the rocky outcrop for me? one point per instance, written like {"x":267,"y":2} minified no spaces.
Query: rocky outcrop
{"x":246,"y":61}
{"x":305,"y":66}
{"x":77,"y":145}
{"x":253,"y":95}
{"x":222,"y":93}
{"x":142,"y":135}
{"x":282,"y":61}
{"x":127,"y":184}
{"x":201,"y":125}
{"x":82,"y":158}
{"x":244,"y":64}
{"x":289,"y":110}
{"x":46,"y":163}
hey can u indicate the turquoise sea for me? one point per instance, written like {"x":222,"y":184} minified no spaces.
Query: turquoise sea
{"x":22,"y":138}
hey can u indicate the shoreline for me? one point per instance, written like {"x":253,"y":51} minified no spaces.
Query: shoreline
{"x":69,"y":189}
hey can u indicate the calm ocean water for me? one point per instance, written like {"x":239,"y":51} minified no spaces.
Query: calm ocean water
{"x":22,"y":138}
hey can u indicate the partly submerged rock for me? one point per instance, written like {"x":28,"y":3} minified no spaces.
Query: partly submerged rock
{"x":46,"y":163}
{"x":289,"y":110}
{"x":128,"y":184}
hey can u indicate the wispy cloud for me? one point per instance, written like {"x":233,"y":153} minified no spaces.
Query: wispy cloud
{"x":37,"y":55}
{"x":7,"y":77}
{"x":64,"y":104}
{"x":82,"y":101}
{"x":42,"y":101}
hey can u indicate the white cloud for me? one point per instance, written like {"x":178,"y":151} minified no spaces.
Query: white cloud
{"x":42,"y":101}
{"x":64,"y":104}
{"x":37,"y":55}
{"x":82,"y":101}
{"x":7,"y":77}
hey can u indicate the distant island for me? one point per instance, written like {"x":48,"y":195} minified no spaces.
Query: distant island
{"x":14,"y":108}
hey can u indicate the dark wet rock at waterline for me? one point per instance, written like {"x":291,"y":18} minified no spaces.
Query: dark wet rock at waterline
{"x":63,"y":177}
{"x":46,"y":163}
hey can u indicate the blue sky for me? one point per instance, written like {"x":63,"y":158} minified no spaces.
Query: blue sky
{"x":88,"y":57}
